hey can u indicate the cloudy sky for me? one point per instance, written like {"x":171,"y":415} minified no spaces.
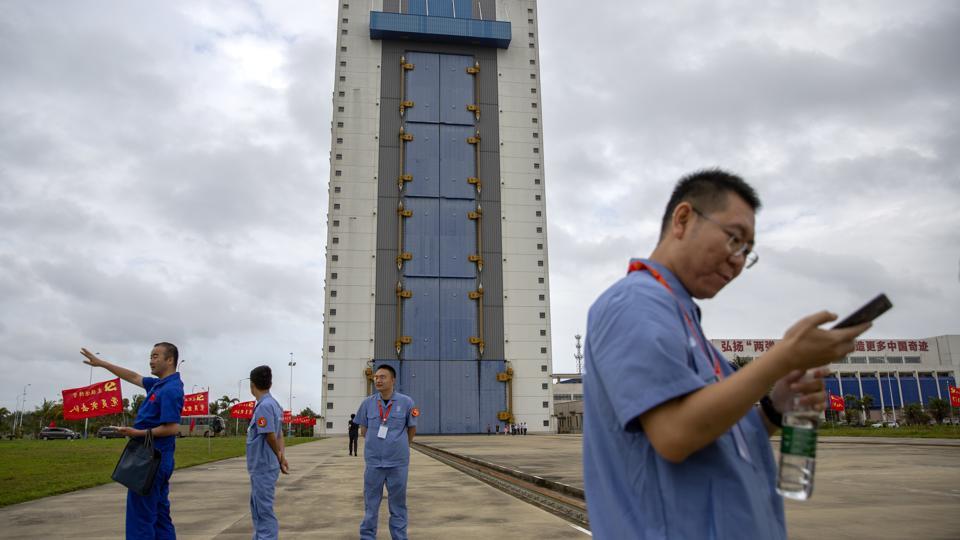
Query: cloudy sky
{"x":164,"y":167}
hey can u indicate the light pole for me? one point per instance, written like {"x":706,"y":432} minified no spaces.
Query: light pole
{"x":23,"y":405}
{"x":290,"y":425}
{"x":86,"y":421}
{"x":237,"y":429}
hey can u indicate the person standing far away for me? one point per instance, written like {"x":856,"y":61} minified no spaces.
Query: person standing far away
{"x":148,"y":516}
{"x":265,"y":454}
{"x":388,"y":423}
{"x":353,"y":431}
{"x":673,"y":447}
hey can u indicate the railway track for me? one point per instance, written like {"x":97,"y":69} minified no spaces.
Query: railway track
{"x":565,"y":501}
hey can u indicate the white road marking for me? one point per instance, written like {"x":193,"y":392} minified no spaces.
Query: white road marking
{"x":581,"y":529}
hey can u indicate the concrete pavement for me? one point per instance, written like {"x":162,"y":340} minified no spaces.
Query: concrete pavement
{"x":321,"y":498}
{"x":877,"y":488}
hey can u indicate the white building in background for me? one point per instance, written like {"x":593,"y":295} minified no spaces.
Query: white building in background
{"x":894,"y":372}
{"x":437,"y":248}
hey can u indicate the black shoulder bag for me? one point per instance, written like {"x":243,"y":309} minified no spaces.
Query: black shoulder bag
{"x":138,"y":464}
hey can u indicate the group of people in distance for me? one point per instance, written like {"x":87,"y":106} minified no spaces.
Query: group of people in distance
{"x":673,"y":446}
{"x":387,"y":419}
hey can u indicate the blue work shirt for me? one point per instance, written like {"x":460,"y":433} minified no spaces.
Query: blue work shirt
{"x":163,"y":405}
{"x":267,"y":418}
{"x":639,"y":354}
{"x":394,"y":450}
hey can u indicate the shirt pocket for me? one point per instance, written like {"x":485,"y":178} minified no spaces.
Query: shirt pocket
{"x":397,"y":419}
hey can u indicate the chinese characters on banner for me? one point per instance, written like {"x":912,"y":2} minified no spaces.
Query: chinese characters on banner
{"x":243,"y":410}
{"x":954,"y":396}
{"x":305,"y":420}
{"x":867,"y":345}
{"x":195,"y":404}
{"x":287,"y":415}
{"x":95,"y":400}
{"x":836,"y":403}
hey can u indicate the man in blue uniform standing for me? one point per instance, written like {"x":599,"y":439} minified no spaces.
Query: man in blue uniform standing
{"x":148,"y":516}
{"x":265,"y":459}
{"x":388,"y":423}
{"x":673,"y":447}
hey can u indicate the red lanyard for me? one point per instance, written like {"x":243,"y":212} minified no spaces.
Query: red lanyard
{"x":383,"y":417}
{"x":640,"y":266}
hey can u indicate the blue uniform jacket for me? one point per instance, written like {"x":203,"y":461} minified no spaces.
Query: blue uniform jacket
{"x":394,"y":450}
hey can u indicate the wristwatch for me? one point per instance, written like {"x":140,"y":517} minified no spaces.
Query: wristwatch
{"x":771,"y":412}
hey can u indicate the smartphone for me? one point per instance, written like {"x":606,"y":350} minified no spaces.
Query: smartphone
{"x":867,"y":313}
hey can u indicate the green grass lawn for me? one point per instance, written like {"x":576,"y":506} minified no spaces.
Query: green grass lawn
{"x":34,"y":469}
{"x":921,"y":432}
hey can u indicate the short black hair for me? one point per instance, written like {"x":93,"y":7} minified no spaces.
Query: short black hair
{"x":169,"y":350}
{"x":353,"y":415}
{"x":261,"y":377}
{"x":706,"y":190}
{"x":387,"y":367}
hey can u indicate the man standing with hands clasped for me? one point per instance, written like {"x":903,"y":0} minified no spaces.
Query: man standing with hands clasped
{"x":265,"y":459}
{"x":148,"y":516}
{"x":673,"y":447}
{"x":388,"y":423}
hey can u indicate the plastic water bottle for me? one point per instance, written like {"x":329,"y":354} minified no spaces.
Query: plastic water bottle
{"x":798,"y":452}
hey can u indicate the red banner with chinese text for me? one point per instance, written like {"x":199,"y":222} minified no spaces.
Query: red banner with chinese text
{"x":243,"y":410}
{"x":836,"y":403}
{"x":954,"y":396}
{"x":195,"y":404}
{"x":287,"y":417}
{"x":90,"y":401}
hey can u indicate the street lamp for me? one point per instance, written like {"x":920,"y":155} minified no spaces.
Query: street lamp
{"x":23,"y":405}
{"x":237,"y":429}
{"x":290,"y":425}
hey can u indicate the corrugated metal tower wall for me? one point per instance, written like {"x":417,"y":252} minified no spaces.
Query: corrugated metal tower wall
{"x":431,"y":217}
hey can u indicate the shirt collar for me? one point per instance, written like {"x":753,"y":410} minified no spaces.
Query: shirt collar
{"x":175,"y":376}
{"x":678,"y":289}
{"x":263,"y":397}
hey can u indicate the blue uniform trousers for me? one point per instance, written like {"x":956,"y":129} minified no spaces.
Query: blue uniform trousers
{"x":373,"y":480}
{"x":263,"y":485}
{"x":148,"y":517}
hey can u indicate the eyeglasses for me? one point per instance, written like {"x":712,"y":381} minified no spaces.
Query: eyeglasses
{"x":735,"y":245}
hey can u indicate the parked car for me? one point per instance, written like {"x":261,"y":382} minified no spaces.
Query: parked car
{"x":109,"y":432}
{"x":58,"y":433}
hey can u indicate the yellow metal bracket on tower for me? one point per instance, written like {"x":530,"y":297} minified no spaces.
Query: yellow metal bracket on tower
{"x":405,"y":65}
{"x":506,"y":416}
{"x":404,"y":294}
{"x":475,"y":295}
{"x":405,"y":136}
{"x":404,"y":213}
{"x":474,"y":140}
{"x":474,"y":215}
{"x":505,"y":376}
{"x":474,"y":69}
{"x":405,"y":105}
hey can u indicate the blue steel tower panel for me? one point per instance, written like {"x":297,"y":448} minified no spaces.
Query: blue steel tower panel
{"x":463,"y":8}
{"x":421,"y":319}
{"x":417,"y":7}
{"x":421,"y":237}
{"x":422,"y":160}
{"x":493,"y":393}
{"x":421,"y":381}
{"x":458,"y":319}
{"x":423,"y":87}
{"x":457,"y":87}
{"x":459,"y":396}
{"x":458,"y":238}
{"x":457,"y":162}
{"x":440,"y":8}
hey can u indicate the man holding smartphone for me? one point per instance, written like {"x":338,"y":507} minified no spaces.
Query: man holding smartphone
{"x":673,"y":446}
{"x":148,"y":516}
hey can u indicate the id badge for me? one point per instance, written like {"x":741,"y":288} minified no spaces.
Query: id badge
{"x":382,"y":432}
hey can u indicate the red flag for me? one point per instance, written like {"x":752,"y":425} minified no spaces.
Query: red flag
{"x":311,"y":421}
{"x":53,"y":423}
{"x":195,"y":404}
{"x":243,"y":410}
{"x":287,"y":417}
{"x":193,"y":424}
{"x":954,"y":396}
{"x":836,"y":403}
{"x":95,"y":400}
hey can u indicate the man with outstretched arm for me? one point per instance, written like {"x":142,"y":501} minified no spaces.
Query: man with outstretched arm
{"x":148,"y":516}
{"x":673,"y":445}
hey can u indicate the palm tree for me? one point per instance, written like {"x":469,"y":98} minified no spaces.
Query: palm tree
{"x":4,"y":413}
{"x":865,"y":402}
{"x":851,"y":405}
{"x":913,"y":414}
{"x":939,"y":409}
{"x":135,"y":403}
{"x":47,"y":412}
